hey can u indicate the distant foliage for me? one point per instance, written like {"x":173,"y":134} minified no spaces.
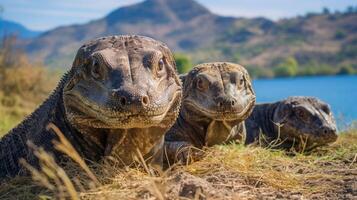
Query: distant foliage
{"x":17,"y":75}
{"x":326,"y":11}
{"x":23,"y":85}
{"x":340,"y":34}
{"x":288,"y":67}
{"x":183,"y":63}
{"x":260,"y":72}
{"x":346,"y":69}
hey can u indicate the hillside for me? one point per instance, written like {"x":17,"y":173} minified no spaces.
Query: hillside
{"x":318,"y":41}
{"x":10,"y":27}
{"x":172,"y":21}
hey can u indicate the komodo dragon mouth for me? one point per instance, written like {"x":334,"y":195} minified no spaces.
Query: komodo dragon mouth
{"x":221,"y":115}
{"x":109,"y":118}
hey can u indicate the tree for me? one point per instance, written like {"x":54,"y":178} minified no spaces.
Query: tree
{"x":183,"y":63}
{"x":340,"y":34}
{"x":346,"y":69}
{"x":288,"y":67}
{"x":350,"y":10}
{"x":326,"y":11}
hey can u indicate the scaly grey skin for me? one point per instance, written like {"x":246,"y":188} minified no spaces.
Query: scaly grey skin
{"x":217,"y":97}
{"x":120,"y":97}
{"x":306,"y":119}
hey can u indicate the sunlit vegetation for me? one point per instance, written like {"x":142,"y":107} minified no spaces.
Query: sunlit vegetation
{"x":288,"y":67}
{"x":23,"y":85}
{"x":183,"y":63}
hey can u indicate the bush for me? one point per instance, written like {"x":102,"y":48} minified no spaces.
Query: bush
{"x":260,"y":72}
{"x":340,"y":35}
{"x":183,"y":63}
{"x":288,"y":67}
{"x":346,"y":69}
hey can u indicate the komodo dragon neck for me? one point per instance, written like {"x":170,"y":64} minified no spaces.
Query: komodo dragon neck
{"x":263,"y":117}
{"x":13,"y":146}
{"x":205,"y":131}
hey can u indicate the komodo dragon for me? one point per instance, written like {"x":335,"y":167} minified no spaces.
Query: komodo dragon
{"x":305,"y":122}
{"x":121,"y":95}
{"x":216,"y":97}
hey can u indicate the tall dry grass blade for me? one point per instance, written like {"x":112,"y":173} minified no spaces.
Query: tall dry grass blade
{"x":66,"y":147}
{"x":303,"y":142}
{"x":154,"y":187}
{"x":167,"y":157}
{"x":51,"y":171}
{"x":36,"y":175}
{"x":143,"y":163}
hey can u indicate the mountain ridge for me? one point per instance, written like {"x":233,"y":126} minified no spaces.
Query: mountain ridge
{"x":187,"y":26}
{"x":8,"y":27}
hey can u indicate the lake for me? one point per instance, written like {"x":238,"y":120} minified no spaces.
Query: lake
{"x":339,"y":91}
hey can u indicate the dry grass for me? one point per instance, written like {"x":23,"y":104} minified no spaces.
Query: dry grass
{"x":226,"y":172}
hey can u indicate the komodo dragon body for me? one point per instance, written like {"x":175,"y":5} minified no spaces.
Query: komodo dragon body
{"x":303,"y":122}
{"x":120,"y":97}
{"x":216,"y":97}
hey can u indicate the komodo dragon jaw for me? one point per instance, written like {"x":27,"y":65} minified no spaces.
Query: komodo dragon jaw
{"x":219,"y":91}
{"x":130,"y":84}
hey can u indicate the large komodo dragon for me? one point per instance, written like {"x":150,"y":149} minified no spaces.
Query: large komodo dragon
{"x":216,"y":97}
{"x":120,"y":96}
{"x":299,"y":122}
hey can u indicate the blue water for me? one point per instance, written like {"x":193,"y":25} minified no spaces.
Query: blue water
{"x":339,"y":91}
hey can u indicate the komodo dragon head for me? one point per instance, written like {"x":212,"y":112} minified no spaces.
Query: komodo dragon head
{"x":306,"y":119}
{"x":219,"y":91}
{"x":123,"y":83}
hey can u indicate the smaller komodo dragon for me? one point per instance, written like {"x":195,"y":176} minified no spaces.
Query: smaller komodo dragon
{"x":216,"y":97}
{"x":305,"y":123}
{"x":120,"y":97}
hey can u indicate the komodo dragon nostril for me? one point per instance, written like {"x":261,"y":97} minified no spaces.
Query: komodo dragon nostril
{"x":145,"y":100}
{"x":122,"y":101}
{"x":233,"y":102}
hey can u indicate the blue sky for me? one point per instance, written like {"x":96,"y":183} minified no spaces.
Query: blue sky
{"x":47,"y":14}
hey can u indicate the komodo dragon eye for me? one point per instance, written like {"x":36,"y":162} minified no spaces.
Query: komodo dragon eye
{"x":201,"y":83}
{"x":237,"y":79}
{"x":300,"y":113}
{"x":161,"y":64}
{"x":241,"y":81}
{"x":95,"y":69}
{"x":326,"y":109}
